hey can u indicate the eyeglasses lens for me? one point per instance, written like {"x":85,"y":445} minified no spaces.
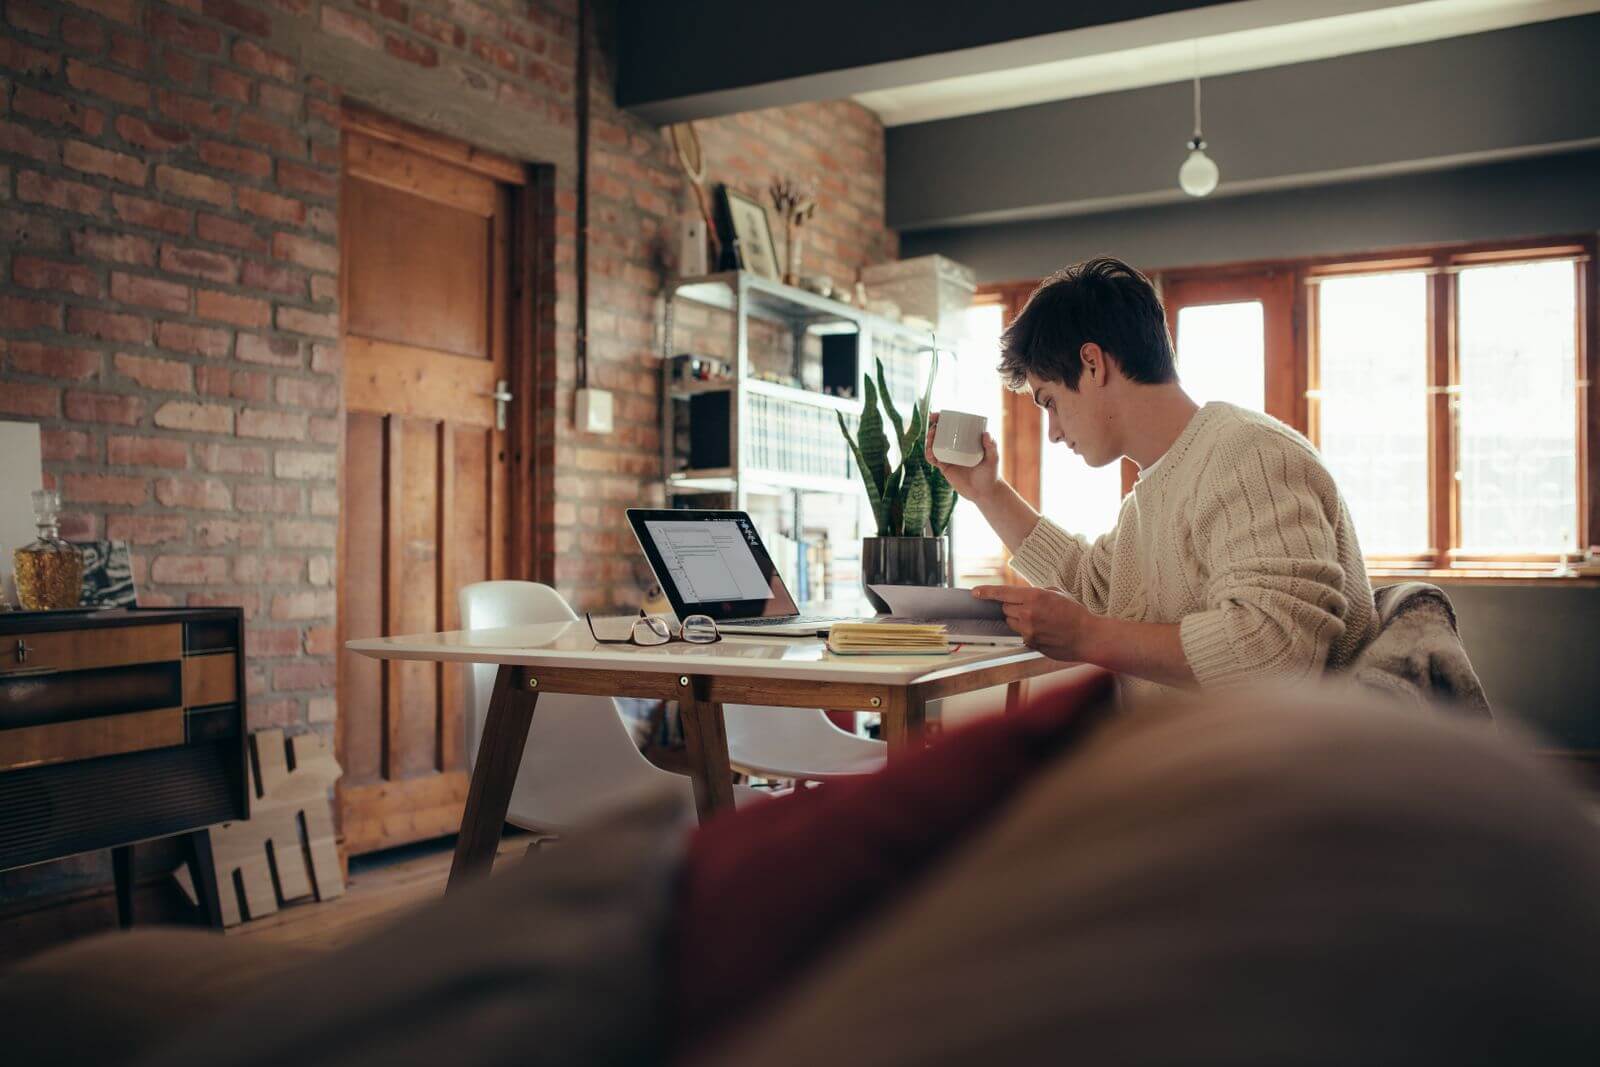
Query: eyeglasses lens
{"x":699,"y":630}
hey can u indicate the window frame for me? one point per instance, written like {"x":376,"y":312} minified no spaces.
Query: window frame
{"x":1295,"y":368}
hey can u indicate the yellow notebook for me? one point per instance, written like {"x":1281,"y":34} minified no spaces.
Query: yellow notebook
{"x":888,"y":639}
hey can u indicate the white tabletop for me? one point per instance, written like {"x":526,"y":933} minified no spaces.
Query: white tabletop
{"x":568,"y":644}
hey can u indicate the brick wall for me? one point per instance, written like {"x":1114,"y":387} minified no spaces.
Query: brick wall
{"x":168,"y":269}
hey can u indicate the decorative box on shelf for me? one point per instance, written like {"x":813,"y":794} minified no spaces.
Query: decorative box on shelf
{"x":930,"y":287}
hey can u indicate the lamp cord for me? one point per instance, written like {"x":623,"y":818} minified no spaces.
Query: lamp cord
{"x":1197,"y":90}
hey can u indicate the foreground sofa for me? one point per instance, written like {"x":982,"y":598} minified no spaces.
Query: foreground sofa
{"x":1280,"y":878}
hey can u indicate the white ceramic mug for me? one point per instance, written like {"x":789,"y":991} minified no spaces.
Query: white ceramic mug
{"x":958,"y":438}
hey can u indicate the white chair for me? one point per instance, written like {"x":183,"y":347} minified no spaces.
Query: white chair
{"x":580,"y":759}
{"x":794,"y":743}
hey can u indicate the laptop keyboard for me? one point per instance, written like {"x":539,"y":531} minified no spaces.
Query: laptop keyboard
{"x":801,"y":620}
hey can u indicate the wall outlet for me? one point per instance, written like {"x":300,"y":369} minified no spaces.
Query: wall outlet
{"x":594,"y":411}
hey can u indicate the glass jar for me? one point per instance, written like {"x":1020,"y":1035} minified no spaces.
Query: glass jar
{"x":49,"y":572}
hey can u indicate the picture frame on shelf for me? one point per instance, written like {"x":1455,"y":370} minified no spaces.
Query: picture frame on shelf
{"x":749,"y":234}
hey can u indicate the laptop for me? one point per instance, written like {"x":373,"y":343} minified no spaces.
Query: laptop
{"x":713,"y":563}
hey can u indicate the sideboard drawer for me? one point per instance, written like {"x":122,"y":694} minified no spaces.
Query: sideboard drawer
{"x":76,"y":650}
{"x":82,"y":739}
{"x":212,"y":679}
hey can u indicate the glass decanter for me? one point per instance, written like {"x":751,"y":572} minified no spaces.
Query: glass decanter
{"x":49,"y":572}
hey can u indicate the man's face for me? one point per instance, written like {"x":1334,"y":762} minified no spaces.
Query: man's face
{"x":1075,"y":419}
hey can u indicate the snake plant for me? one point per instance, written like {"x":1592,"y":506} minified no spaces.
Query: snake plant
{"x":913,"y":499}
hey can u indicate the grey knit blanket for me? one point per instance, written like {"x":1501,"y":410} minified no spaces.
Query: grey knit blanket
{"x":1417,"y":652}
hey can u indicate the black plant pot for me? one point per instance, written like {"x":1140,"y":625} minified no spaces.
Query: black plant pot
{"x":902,"y":561}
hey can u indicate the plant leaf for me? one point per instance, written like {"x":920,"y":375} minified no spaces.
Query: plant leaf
{"x":874,"y":446}
{"x":880,"y":511}
{"x":894,"y":412}
{"x":915,"y":516}
{"x":943,"y":501}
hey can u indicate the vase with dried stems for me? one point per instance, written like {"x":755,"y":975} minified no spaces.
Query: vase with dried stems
{"x":796,"y":203}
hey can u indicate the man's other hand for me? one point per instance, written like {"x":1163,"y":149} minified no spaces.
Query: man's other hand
{"x":1047,"y":621}
{"x":975,"y":482}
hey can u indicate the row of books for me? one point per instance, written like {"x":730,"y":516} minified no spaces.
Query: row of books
{"x":796,"y":438}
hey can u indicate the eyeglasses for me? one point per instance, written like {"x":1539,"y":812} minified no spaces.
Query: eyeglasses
{"x":651,"y":630}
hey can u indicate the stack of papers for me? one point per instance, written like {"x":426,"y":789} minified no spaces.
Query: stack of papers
{"x":888,"y":639}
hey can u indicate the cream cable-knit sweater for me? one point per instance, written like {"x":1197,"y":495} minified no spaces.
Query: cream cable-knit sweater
{"x":1239,"y":535}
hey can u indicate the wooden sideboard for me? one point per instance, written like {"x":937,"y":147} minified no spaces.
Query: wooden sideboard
{"x":118,"y":727}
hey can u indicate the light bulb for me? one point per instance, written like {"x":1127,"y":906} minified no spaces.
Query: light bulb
{"x":1198,"y":175}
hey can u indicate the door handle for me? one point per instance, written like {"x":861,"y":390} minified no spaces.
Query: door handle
{"x":501,"y":397}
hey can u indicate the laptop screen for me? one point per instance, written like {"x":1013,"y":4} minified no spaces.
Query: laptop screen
{"x":712,"y":563}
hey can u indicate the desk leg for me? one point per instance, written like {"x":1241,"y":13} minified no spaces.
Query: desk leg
{"x":705,"y":734}
{"x":1013,"y":697}
{"x":903,"y":718}
{"x":505,"y":732}
{"x":122,"y":876}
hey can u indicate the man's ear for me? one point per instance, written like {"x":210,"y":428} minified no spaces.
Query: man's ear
{"x":1094,"y":363}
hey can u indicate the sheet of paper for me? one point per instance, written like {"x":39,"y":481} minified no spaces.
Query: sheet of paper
{"x":21,"y":472}
{"x":937,"y":602}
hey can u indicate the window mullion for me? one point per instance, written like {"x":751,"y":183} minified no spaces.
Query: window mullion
{"x":1444,"y":502}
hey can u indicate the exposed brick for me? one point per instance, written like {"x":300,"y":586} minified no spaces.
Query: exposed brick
{"x":153,"y":136}
{"x":117,"y":10}
{"x":200,"y":494}
{"x":167,"y":25}
{"x":327,"y":359}
{"x":322,"y":709}
{"x":107,"y":164}
{"x":213,"y":533}
{"x":129,"y":51}
{"x":319,"y":570}
{"x":266,"y":643}
{"x":228,"y":232}
{"x":282,"y":499}
{"x":239,"y":384}
{"x":31,"y":272}
{"x":302,"y":605}
{"x":351,"y":27}
{"x":16,"y":56}
{"x":231,"y":157}
{"x":497,"y":54}
{"x":65,"y":446}
{"x":253,"y":57}
{"x":36,"y":188}
{"x":19,"y":398}
{"x":237,"y":15}
{"x":272,"y":206}
{"x":226,"y":307}
{"x":83,"y":406}
{"x":282,"y":140}
{"x":200,"y":263}
{"x":304,"y":674}
{"x":389,"y":9}
{"x":306,"y":465}
{"x":196,"y":340}
{"x":192,"y":186}
{"x":83,"y":34}
{"x":281,"y":101}
{"x":324,"y":502}
{"x":231,"y":84}
{"x":180,"y":68}
{"x":54,"y":361}
{"x":232,"y":459}
{"x":441,"y":30}
{"x":20,"y":313}
{"x":165,"y":452}
{"x":267,"y":714}
{"x":308,"y":253}
{"x":189,"y":570}
{"x":307,"y":394}
{"x":274,"y":277}
{"x":58,"y":110}
{"x":277,"y":425}
{"x":109,"y":84}
{"x":169,"y":375}
{"x":150,"y":214}
{"x":21,"y":141}
{"x":306,"y":180}
{"x":201,"y":418}
{"x":108,"y":325}
{"x":103,"y":489}
{"x":194,"y":111}
{"x":324,"y":431}
{"x":272,"y":351}
{"x":149,"y":292}
{"x":114,"y":247}
{"x":299,"y":320}
{"x":147,"y":529}
{"x":31,"y":16}
{"x":409,"y":51}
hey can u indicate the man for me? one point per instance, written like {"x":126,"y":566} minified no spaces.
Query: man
{"x":1233,"y":559}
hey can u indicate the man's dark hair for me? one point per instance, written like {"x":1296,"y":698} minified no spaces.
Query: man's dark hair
{"x":1102,"y":300}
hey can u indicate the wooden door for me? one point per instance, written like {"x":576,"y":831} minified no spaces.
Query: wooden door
{"x":424,"y":257}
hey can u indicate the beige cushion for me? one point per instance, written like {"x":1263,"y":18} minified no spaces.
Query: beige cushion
{"x":1266,"y":883}
{"x":110,"y":998}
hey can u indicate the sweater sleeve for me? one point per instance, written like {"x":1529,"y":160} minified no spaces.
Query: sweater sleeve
{"x":1052,"y":558}
{"x":1264,"y":529}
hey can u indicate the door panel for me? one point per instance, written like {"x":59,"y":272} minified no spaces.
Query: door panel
{"x":424,"y":276}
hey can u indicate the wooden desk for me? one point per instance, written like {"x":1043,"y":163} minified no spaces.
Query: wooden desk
{"x":563,"y":658}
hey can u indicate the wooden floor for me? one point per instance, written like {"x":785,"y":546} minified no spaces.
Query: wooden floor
{"x":381,"y":889}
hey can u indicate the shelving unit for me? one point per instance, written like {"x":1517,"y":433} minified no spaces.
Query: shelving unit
{"x":784,"y":459}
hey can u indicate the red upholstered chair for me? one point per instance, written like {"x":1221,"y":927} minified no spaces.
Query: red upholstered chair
{"x":768,"y":890}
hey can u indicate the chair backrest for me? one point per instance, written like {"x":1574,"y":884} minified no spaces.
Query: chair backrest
{"x":580,"y":758}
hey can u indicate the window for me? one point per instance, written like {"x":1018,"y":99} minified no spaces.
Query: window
{"x":1447,"y":403}
{"x":1221,"y":350}
{"x":1518,"y":438}
{"x":1372,"y":342}
{"x":970,"y":382}
{"x":1077,"y":497}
